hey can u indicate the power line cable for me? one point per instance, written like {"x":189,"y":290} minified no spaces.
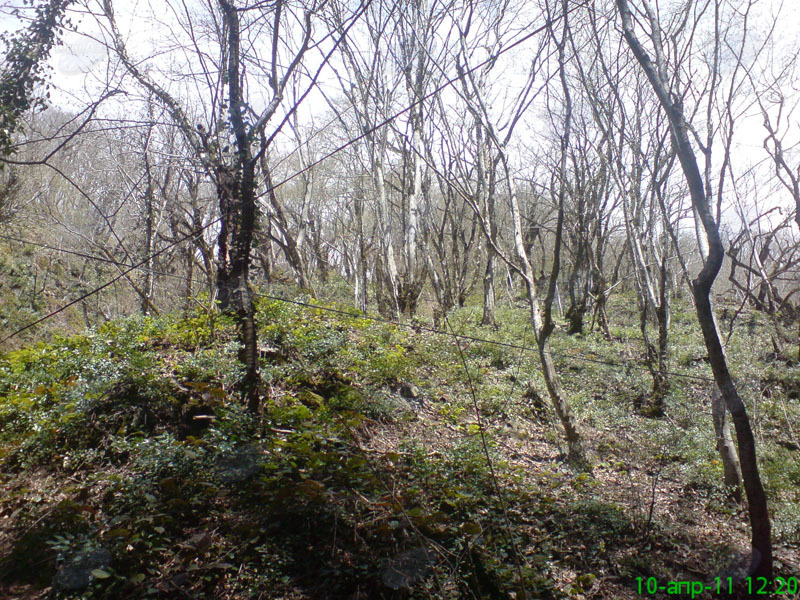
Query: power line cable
{"x":358,"y":315}
{"x":471,"y":338}
{"x":548,"y":23}
{"x":103,"y":259}
{"x":11,"y":238}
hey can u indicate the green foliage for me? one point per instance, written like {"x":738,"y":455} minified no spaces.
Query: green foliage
{"x":317,"y":341}
{"x":149,"y":455}
{"x":782,"y":378}
{"x":787,"y":523}
{"x":73,"y":396}
{"x":26,"y":53}
{"x":200,"y":327}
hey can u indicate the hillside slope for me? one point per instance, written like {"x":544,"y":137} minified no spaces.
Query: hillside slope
{"x":388,"y":462}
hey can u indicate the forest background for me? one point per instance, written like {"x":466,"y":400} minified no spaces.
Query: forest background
{"x":426,"y":164}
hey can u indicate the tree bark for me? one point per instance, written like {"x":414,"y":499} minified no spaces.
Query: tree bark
{"x":732,"y":470}
{"x":237,"y":206}
{"x":149,"y":223}
{"x":488,"y":289}
{"x":235,"y":193}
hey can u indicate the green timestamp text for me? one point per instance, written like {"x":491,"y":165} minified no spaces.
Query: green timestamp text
{"x":756,"y":586}
{"x":779,"y":586}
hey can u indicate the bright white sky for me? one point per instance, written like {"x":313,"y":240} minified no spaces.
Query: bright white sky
{"x":80,"y":66}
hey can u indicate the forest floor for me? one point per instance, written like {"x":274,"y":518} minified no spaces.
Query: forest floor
{"x":386,"y":462}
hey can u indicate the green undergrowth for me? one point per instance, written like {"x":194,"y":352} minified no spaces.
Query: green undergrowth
{"x":367,"y":472}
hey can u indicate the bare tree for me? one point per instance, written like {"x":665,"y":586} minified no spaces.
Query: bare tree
{"x":670,"y":98}
{"x":395,"y":63}
{"x":232,"y":145}
{"x":777,"y":120}
{"x":454,"y":237}
{"x":474,"y":96}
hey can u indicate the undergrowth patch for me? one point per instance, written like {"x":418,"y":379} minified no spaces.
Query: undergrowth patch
{"x":130,"y":468}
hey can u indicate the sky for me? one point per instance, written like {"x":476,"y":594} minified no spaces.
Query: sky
{"x":80,"y":69}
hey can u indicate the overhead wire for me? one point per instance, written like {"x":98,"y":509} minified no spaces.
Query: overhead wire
{"x":470,"y":338}
{"x":417,"y":327}
{"x":548,"y":23}
{"x":103,"y":259}
{"x":139,"y":265}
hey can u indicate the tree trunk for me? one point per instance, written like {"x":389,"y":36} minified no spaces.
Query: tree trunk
{"x":701,"y":290}
{"x":543,"y":325}
{"x":361,"y":271}
{"x":235,"y":192}
{"x":575,"y":314}
{"x":288,"y":242}
{"x":577,"y":283}
{"x":488,"y":289}
{"x":600,"y":295}
{"x":149,"y":222}
{"x":661,"y":380}
{"x":388,"y":273}
{"x":188,"y":292}
{"x":237,"y":209}
{"x":542,"y":333}
{"x":730,"y":461}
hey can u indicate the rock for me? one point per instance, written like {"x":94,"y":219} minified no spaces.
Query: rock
{"x":406,"y":569}
{"x":409,"y":390}
{"x":76,"y":572}
{"x":310,"y":399}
